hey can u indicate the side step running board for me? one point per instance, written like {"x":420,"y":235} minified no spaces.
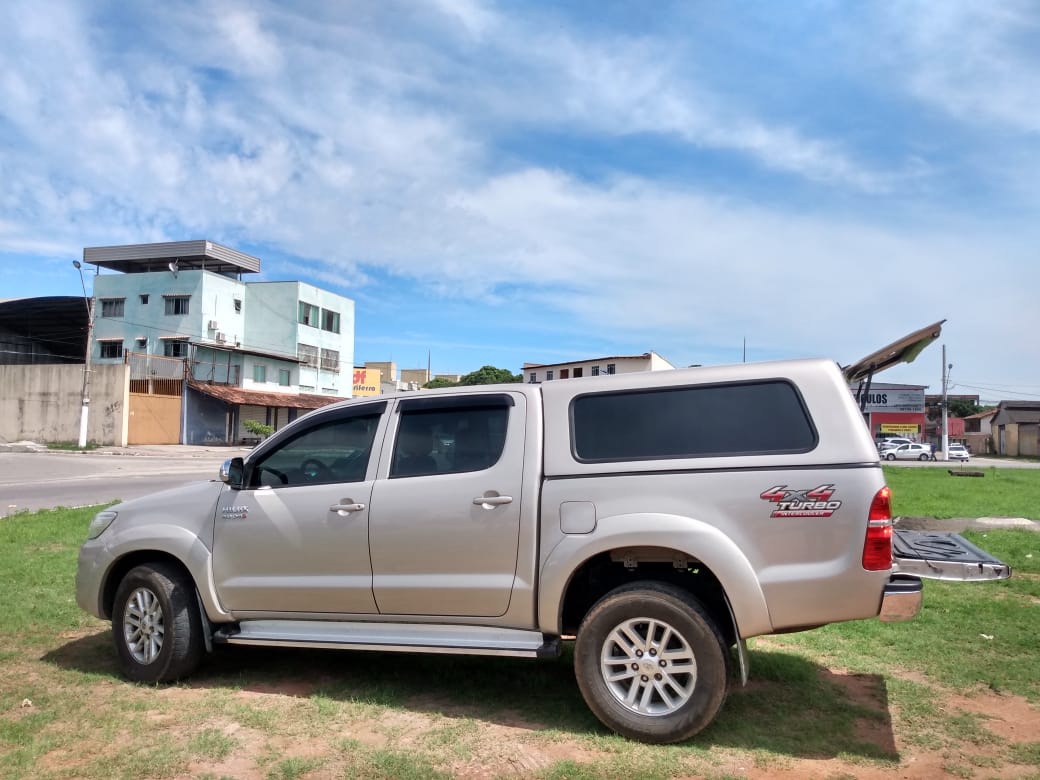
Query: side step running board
{"x":390,"y":637}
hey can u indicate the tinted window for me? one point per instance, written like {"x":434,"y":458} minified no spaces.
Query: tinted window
{"x":449,"y":440}
{"x":690,"y":422}
{"x":334,"y":451}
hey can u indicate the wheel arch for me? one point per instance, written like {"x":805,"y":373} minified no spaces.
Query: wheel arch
{"x":688,"y":553}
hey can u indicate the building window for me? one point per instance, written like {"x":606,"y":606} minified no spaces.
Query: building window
{"x":144,"y":299}
{"x":177,"y":304}
{"x":534,"y":377}
{"x":111,"y":349}
{"x":548,"y":375}
{"x":308,"y":314}
{"x":595,"y":370}
{"x":284,"y":377}
{"x":565,"y":373}
{"x":307,"y":354}
{"x":306,"y":388}
{"x":577,"y":372}
{"x":259,"y":373}
{"x":175,"y":348}
{"x":611,"y":368}
{"x":330,"y":321}
{"x":330,"y":360}
{"x":238,"y":305}
{"x":142,"y":344}
{"x":112,"y":307}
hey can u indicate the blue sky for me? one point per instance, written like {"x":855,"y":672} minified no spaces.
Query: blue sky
{"x":495,"y":183}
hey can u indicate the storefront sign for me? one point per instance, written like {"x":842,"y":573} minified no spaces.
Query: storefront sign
{"x":366,"y":381}
{"x":895,"y":400}
{"x":900,"y":428}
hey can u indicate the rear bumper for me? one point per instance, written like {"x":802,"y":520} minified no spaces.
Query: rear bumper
{"x":902,"y":598}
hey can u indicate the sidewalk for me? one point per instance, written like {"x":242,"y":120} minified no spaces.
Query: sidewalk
{"x":185,"y":451}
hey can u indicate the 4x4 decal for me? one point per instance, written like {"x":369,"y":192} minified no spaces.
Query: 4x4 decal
{"x":801,"y":503}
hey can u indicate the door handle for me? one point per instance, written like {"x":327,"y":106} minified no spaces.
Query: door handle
{"x":490,"y":501}
{"x":345,"y":508}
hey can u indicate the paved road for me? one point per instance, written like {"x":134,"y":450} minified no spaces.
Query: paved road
{"x":43,"y":480}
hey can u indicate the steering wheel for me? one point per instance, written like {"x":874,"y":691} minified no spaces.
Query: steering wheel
{"x":313,"y":468}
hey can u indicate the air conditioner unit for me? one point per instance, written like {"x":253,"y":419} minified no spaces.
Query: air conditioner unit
{"x":221,"y":337}
{"x":213,"y":325}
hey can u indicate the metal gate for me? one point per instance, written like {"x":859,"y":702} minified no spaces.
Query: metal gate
{"x":156,"y":390}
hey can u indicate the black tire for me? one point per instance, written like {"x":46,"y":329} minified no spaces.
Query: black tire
{"x":924,"y":456}
{"x":655,"y":611}
{"x":890,"y":456}
{"x":156,"y":624}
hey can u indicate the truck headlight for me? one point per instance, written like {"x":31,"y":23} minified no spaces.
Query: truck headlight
{"x":101,"y":521}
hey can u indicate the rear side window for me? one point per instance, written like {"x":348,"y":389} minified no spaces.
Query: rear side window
{"x":691,"y":422}
{"x":449,"y":436}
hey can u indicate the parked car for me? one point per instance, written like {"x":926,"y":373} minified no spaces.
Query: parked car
{"x":908,"y":452}
{"x":957,"y":452}
{"x":892,"y":443}
{"x":624,"y":511}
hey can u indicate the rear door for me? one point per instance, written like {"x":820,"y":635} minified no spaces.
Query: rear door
{"x":944,"y":556}
{"x":445,"y":523}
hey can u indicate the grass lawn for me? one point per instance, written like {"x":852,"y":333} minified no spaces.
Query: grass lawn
{"x":937,"y":692}
{"x":932,"y":492}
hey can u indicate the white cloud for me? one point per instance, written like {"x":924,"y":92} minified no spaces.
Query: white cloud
{"x":979,"y":62}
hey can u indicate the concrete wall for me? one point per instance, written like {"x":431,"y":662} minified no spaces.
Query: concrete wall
{"x":43,"y":403}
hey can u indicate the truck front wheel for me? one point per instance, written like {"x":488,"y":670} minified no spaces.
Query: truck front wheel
{"x":156,"y":624}
{"x":651,"y":663}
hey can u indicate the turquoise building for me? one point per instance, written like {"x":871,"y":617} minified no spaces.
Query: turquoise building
{"x":181,"y":314}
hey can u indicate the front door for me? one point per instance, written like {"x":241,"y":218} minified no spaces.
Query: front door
{"x":295,"y":539}
{"x":445,"y":523}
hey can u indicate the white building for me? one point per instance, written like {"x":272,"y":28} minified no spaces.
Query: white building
{"x":619,"y":364}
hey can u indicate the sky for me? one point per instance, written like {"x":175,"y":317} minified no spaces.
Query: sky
{"x":495,"y":183}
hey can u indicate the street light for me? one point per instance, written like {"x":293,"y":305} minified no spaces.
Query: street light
{"x":88,"y":302}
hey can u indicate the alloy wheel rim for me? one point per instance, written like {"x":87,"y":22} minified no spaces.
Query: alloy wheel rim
{"x":648,"y":667}
{"x":143,"y":626}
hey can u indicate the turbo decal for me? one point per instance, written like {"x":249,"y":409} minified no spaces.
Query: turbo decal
{"x":801,"y":503}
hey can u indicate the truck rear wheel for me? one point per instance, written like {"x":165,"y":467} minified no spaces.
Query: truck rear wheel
{"x":156,"y":624}
{"x":651,"y":663}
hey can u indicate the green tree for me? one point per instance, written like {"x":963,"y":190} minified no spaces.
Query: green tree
{"x":489,"y":375}
{"x":439,"y":381}
{"x":962,"y":407}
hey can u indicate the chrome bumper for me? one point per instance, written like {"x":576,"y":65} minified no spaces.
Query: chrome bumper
{"x":902,"y":598}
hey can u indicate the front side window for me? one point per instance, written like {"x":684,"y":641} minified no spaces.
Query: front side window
{"x":450,"y":440}
{"x":330,"y":320}
{"x":308,"y":314}
{"x":328,"y":452}
{"x":177,"y":304}
{"x":175,"y":348}
{"x":112,"y":307}
{"x":691,"y":422}
{"x":111,"y":349}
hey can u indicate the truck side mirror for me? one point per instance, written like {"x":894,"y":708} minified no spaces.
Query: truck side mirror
{"x":232,"y":472}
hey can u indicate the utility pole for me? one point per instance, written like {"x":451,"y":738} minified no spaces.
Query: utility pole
{"x":945,"y":418}
{"x":85,"y":410}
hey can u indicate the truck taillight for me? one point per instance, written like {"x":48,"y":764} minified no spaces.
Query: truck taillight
{"x":877,"y":548}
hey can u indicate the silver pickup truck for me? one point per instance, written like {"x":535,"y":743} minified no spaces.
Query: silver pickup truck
{"x":658,"y":519}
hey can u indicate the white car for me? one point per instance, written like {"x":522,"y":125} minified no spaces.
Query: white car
{"x":890,"y":444}
{"x":957,"y":452}
{"x":908,"y":452}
